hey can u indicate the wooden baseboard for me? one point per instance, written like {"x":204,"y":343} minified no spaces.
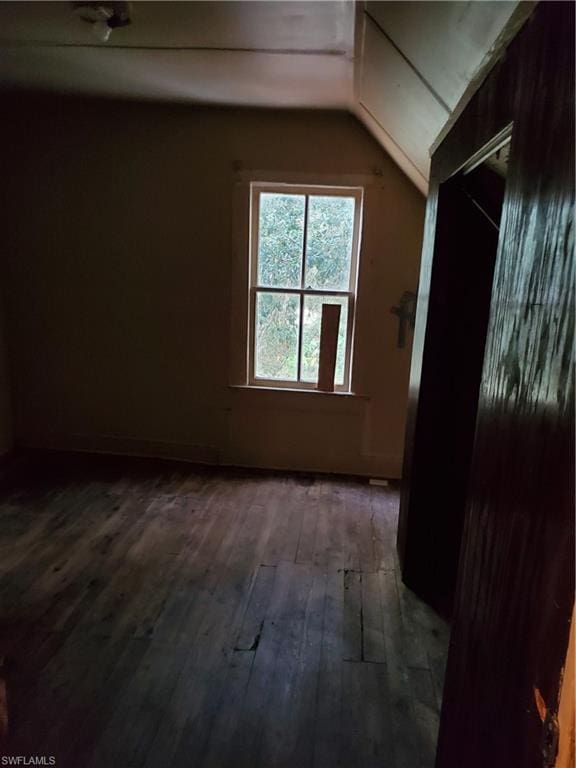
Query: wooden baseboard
{"x":367,"y":466}
{"x":129,"y":446}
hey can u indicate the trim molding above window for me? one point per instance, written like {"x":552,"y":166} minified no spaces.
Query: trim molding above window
{"x":304,"y":244}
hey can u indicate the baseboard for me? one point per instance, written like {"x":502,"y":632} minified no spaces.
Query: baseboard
{"x":128,"y":446}
{"x":376,"y":465}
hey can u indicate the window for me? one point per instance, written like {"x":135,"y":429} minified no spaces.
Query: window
{"x":304,"y":253}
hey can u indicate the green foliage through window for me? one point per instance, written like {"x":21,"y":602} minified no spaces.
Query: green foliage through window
{"x":281,"y":234}
{"x":277,"y":321}
{"x":304,"y":245}
{"x":329,"y":242}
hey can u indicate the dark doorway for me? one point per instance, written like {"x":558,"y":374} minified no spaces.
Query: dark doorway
{"x":467,"y":231}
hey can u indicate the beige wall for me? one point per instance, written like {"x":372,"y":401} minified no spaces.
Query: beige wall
{"x":119,"y":282}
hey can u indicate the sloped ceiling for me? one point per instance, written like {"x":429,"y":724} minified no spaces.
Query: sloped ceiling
{"x":417,"y":65}
{"x":402,"y":67}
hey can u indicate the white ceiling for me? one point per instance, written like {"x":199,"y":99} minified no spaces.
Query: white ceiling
{"x":402,"y":67}
{"x":275,"y":54}
{"x":295,"y":26}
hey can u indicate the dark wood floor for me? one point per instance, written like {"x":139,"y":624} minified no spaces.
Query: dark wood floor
{"x":157,"y":615}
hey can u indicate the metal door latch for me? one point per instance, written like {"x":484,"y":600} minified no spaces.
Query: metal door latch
{"x":406,"y":313}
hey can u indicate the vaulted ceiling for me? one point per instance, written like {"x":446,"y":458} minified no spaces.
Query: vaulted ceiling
{"x":404,"y":68}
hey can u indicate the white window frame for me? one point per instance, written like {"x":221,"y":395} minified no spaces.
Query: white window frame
{"x":256,"y":189}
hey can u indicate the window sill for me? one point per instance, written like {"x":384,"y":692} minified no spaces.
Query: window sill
{"x":294,"y":390}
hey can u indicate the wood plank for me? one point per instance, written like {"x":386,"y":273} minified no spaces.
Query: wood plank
{"x":373,"y":641}
{"x":281,"y":502}
{"x":183,"y":733}
{"x":274,"y":748}
{"x":408,"y":751}
{"x":353,"y":747}
{"x":328,"y":346}
{"x":287,"y":736}
{"x":102,"y":704}
{"x":332,"y":548}
{"x":426,"y":714}
{"x":384,"y":506}
{"x":244,"y":747}
{"x":80,"y":685}
{"x":178,"y":622}
{"x":359,"y":506}
{"x":329,"y":726}
{"x":352,"y":627}
{"x":220,"y":750}
{"x":320,"y":555}
{"x":308,"y":532}
{"x":379,"y":733}
{"x":251,"y":628}
{"x":414,"y":623}
{"x":352,"y":520}
{"x":305,"y":706}
{"x":136,"y":718}
{"x":369,"y":738}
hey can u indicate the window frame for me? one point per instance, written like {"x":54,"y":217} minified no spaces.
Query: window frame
{"x":256,"y":189}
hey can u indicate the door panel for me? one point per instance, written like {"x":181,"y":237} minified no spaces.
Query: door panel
{"x":516,"y":576}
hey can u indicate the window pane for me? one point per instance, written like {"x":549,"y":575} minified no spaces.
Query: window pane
{"x":329,"y":242}
{"x":277,"y":321}
{"x":281,"y":234}
{"x":311,"y":324}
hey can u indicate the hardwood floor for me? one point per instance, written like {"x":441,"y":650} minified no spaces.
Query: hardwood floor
{"x":155,"y":615}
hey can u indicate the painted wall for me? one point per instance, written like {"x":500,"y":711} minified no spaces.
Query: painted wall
{"x":119,"y":263}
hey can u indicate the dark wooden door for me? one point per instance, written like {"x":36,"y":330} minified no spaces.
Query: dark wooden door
{"x":515,"y":586}
{"x":459,"y":303}
{"x":516,"y":576}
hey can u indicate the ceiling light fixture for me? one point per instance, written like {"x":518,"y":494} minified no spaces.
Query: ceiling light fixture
{"x":103,"y":16}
